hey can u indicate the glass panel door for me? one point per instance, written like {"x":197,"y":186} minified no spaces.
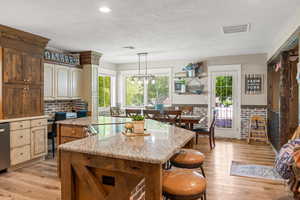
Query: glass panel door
{"x":223,"y":102}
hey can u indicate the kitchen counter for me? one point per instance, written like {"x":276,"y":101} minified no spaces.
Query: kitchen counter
{"x":23,"y":118}
{"x":110,"y":165}
{"x":109,"y":141}
{"x":85,"y":121}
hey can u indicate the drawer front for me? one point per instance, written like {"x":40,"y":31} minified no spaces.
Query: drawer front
{"x":19,"y":125}
{"x":39,"y":122}
{"x":72,"y":131}
{"x":67,"y":139}
{"x":19,"y":138}
{"x":20,"y":155}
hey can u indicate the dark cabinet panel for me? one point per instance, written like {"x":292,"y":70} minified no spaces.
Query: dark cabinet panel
{"x":32,"y":69}
{"x":21,"y":62}
{"x":13,"y":98}
{"x":12,"y":66}
{"x":33,"y":101}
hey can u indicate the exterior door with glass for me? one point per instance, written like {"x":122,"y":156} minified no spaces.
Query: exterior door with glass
{"x":224,"y":100}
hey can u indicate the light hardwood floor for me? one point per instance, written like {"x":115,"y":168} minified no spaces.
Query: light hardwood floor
{"x":39,"y":181}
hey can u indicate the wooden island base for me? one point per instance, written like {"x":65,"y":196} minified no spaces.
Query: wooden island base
{"x":93,"y":177}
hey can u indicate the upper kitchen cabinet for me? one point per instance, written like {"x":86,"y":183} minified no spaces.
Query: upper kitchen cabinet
{"x":62,"y":82}
{"x":33,"y":69}
{"x":21,"y":68}
{"x":76,"y":82}
{"x":12,"y":66}
{"x":49,"y":75}
{"x":21,"y":61}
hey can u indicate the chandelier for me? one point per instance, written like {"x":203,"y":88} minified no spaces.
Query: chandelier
{"x":144,"y":76}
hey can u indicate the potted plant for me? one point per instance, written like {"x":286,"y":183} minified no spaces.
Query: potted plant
{"x":138,"y":124}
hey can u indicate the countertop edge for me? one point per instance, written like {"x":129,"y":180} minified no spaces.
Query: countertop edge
{"x":126,"y":157}
{"x":23,"y":118}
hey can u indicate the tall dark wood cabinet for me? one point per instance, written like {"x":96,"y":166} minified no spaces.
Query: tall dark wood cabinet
{"x":21,"y":65}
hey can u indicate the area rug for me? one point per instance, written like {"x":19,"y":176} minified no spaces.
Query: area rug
{"x":254,"y":171}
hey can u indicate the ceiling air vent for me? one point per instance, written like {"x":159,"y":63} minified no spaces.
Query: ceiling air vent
{"x":129,"y":47}
{"x":236,"y":29}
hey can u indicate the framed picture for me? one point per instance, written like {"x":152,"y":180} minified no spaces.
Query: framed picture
{"x":254,"y":83}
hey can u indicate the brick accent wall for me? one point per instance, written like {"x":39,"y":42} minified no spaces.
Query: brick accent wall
{"x":246,"y":112}
{"x":50,"y":107}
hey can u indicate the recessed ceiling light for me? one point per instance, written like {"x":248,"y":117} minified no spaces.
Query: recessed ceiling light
{"x":104,"y":9}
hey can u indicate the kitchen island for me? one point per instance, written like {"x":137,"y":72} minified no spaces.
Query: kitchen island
{"x":73,"y":129}
{"x":112,"y":166}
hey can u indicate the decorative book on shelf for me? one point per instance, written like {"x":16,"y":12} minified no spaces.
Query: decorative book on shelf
{"x":258,"y":129}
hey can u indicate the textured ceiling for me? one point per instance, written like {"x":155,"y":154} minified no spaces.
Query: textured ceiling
{"x":167,"y":29}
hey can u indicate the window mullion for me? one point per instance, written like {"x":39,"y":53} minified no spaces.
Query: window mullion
{"x":145,"y":92}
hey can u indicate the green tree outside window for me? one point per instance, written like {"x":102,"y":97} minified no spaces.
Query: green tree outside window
{"x":104,"y":91}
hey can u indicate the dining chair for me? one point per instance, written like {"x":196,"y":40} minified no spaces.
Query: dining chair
{"x":173,"y":117}
{"x":132,"y":112}
{"x":153,"y":114}
{"x":115,"y":111}
{"x":210,"y":132}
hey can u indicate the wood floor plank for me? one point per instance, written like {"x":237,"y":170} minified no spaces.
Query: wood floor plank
{"x":40,"y":182}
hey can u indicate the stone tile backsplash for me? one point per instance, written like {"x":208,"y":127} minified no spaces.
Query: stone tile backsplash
{"x":50,"y":107}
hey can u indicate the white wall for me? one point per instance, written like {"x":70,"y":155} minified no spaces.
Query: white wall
{"x":255,"y":63}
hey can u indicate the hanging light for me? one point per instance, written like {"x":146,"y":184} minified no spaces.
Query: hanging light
{"x":145,"y":76}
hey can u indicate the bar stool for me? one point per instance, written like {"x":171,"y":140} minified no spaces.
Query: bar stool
{"x":188,"y":159}
{"x":183,"y":184}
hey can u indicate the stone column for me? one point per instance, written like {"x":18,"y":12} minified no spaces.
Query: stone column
{"x":90,"y":62}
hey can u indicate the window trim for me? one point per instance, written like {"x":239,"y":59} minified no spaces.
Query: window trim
{"x":156,"y":72}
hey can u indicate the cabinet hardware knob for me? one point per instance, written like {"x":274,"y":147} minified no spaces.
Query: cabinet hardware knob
{"x":21,"y":136}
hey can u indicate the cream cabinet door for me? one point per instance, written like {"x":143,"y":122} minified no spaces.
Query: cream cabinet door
{"x":49,"y":81}
{"x":76,"y":83}
{"x":39,"y":142}
{"x":62,"y":82}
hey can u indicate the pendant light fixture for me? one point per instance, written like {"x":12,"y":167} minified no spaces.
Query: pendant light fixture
{"x":144,"y":76}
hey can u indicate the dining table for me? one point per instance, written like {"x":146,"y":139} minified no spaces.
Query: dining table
{"x":188,"y":120}
{"x":110,"y":165}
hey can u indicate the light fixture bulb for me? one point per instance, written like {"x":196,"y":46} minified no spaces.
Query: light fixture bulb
{"x":104,"y":9}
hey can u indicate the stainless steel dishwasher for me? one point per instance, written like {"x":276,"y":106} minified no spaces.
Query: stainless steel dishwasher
{"x":4,"y":147}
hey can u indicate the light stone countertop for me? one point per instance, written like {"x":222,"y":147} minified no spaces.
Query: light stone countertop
{"x":23,"y":118}
{"x":85,"y":121}
{"x":164,"y":141}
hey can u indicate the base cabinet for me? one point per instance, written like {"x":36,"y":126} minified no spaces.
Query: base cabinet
{"x":28,"y":140}
{"x":38,"y":141}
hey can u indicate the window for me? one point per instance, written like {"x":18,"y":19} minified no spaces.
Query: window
{"x":104,"y":91}
{"x":158,"y":90}
{"x":139,"y":93}
{"x":134,"y":92}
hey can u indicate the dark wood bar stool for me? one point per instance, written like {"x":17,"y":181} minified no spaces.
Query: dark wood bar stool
{"x":182,"y":184}
{"x":188,"y":159}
